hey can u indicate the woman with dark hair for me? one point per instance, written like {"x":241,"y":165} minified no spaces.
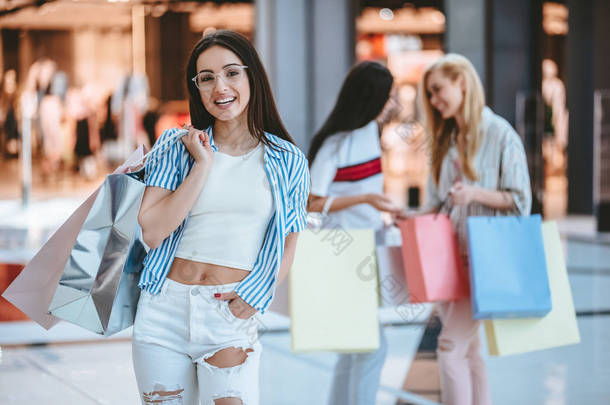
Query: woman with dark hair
{"x":221,"y":214}
{"x":345,"y":159}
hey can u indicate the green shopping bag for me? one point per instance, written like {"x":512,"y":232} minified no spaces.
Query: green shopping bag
{"x":557,"y":328}
{"x":333,"y":292}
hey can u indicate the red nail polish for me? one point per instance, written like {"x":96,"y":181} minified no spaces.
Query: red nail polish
{"x":217,"y":295}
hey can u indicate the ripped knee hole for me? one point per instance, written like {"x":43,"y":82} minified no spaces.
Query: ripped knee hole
{"x":160,"y":395}
{"x":228,"y":401}
{"x":229,"y":357}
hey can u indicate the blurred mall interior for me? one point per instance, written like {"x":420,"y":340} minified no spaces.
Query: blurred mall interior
{"x":83,"y":82}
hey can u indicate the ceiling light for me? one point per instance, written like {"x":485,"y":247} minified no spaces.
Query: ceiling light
{"x":386,"y":14}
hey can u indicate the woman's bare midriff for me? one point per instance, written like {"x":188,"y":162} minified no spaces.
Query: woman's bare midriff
{"x":189,"y":272}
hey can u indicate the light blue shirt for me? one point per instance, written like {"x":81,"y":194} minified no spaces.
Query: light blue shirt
{"x":288,"y":174}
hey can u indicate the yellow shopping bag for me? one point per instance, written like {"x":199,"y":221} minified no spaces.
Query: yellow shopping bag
{"x":333,"y":291}
{"x":557,"y":328}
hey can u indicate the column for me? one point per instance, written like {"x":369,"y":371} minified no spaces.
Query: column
{"x":307,"y":48}
{"x":579,"y":91}
{"x":465,"y":31}
{"x":503,"y":40}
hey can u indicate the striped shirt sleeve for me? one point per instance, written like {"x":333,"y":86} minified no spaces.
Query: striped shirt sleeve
{"x":298,"y":196}
{"x":162,"y":166}
{"x":514,"y":176}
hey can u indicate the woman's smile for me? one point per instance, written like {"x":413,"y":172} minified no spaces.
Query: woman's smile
{"x":225,"y":102}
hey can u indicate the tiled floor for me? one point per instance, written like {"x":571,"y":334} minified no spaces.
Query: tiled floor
{"x":100,"y":372}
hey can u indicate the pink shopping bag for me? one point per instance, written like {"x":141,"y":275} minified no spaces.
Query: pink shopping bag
{"x":35,"y":286}
{"x":433,"y":267}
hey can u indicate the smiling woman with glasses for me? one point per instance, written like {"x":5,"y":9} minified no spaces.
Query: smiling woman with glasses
{"x":221,"y":214}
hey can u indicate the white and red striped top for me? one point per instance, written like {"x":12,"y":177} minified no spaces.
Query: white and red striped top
{"x":350,"y":164}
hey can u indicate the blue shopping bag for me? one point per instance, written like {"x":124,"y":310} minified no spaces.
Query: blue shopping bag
{"x":508,"y":271}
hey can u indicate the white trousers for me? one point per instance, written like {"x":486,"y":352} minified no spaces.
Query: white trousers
{"x":175,"y":332}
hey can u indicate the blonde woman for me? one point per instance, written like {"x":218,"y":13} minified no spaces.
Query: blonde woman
{"x":478,"y":166}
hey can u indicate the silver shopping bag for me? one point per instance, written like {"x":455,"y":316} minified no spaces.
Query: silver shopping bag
{"x":392,"y":285}
{"x":98,"y":289}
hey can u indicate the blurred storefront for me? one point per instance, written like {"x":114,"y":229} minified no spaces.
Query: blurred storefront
{"x":89,"y":80}
{"x":100,"y":43}
{"x":540,"y":62}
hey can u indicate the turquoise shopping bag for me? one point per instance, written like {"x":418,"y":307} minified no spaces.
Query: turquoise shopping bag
{"x":508,"y":271}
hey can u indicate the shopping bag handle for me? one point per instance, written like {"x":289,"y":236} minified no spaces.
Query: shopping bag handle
{"x":161,"y":148}
{"x":390,"y":234}
{"x":327,"y":204}
{"x":445,"y":203}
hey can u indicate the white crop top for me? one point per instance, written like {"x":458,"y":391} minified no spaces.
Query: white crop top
{"x":228,"y":222}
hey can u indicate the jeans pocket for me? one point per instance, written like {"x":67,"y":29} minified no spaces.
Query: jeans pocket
{"x":229,"y":315}
{"x":148,"y":305}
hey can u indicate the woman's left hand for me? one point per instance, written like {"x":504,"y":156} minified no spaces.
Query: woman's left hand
{"x":462,"y":194}
{"x":238,"y":307}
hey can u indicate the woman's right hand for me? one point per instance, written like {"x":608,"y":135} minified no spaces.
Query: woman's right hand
{"x":383,"y":203}
{"x":197,"y":142}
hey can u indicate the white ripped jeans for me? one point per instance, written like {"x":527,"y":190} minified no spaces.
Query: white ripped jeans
{"x":176,"y":331}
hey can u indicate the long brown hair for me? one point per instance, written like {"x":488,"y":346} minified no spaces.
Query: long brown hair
{"x":454,"y":66}
{"x":262,"y":111}
{"x":364,"y":93}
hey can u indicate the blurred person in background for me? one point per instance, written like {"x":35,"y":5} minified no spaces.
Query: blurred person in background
{"x":28,"y":109}
{"x":44,"y":78}
{"x":9,"y":130}
{"x":51,"y":117}
{"x":129,"y":103}
{"x":84,"y":131}
{"x":555,"y":118}
{"x":111,"y":149}
{"x":45,"y":72}
{"x":478,"y":165}
{"x":108,"y":131}
{"x":346,"y":181}
{"x":93,"y":100}
{"x":221,"y":213}
{"x":149,"y":121}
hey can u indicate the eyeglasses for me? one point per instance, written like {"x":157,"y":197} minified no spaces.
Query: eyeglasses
{"x":232,"y":74}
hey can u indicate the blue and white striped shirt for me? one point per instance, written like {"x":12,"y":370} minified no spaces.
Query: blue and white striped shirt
{"x":288,"y":174}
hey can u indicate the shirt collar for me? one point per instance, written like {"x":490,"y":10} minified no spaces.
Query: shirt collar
{"x":273,"y":151}
{"x":212,"y":144}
